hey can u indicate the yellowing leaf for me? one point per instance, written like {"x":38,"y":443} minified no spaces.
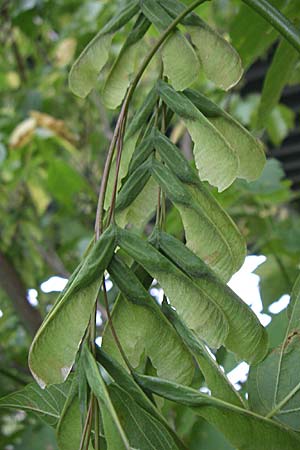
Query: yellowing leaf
{"x":23,"y":133}
{"x":220,"y":61}
{"x":65,"y":51}
{"x":85,"y":71}
{"x":181,"y":64}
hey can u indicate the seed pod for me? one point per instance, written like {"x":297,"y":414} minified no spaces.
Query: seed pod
{"x":54,"y":348}
{"x":250,"y":150}
{"x":247,"y":338}
{"x":210,"y":232}
{"x":141,"y":327}
{"x":85,"y":70}
{"x":198,"y":311}
{"x":133,"y":186}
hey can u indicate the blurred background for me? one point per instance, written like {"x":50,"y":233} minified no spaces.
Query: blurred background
{"x":52,"y":149}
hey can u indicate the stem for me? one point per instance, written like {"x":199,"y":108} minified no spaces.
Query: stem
{"x":103,"y":187}
{"x":124,"y":110}
{"x":118,"y":163}
{"x":86,"y":432}
{"x":110,"y":322}
{"x":277,"y":20}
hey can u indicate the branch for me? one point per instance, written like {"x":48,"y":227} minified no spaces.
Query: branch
{"x":12,"y":284}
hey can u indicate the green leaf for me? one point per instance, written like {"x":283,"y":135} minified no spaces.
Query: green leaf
{"x":115,"y":435}
{"x":141,"y":328}
{"x":219,"y":60}
{"x":210,"y":233}
{"x":46,"y":404}
{"x":144,"y":431}
{"x":250,"y":151}
{"x":278,"y":75}
{"x":216,"y":160}
{"x":140,"y":211}
{"x":54,"y":348}
{"x":273,"y":281}
{"x":246,"y":336}
{"x":251,"y":35}
{"x":280,"y":22}
{"x":215,"y":378}
{"x":274,"y":385}
{"x":69,"y":428}
{"x":125,"y":381}
{"x":250,"y":430}
{"x":199,"y":312}
{"x":125,"y":65}
{"x":279,"y":123}
{"x":85,"y":70}
{"x":180,"y":62}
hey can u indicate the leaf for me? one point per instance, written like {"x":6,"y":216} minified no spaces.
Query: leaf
{"x":85,"y":70}
{"x":250,"y":430}
{"x":46,"y":404}
{"x":124,"y":66}
{"x":218,"y":59}
{"x":278,"y":75}
{"x":274,"y":385}
{"x":273,"y":282}
{"x":200,"y":313}
{"x":54,"y":348}
{"x":115,"y":435}
{"x":246,"y":336}
{"x":144,"y":431}
{"x":220,"y":62}
{"x":69,"y":428}
{"x":180,"y":62}
{"x":215,"y":378}
{"x":250,"y":151}
{"x":279,"y":123}
{"x":140,"y":211}
{"x":84,"y":73}
{"x":215,"y":159}
{"x":251,"y":35}
{"x":141,"y":328}
{"x":210,"y":233}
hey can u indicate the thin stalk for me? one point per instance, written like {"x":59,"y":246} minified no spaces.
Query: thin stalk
{"x":118,"y":163}
{"x":104,"y":180}
{"x":281,"y":23}
{"x":124,"y":110}
{"x":110,"y":323}
{"x":86,"y":432}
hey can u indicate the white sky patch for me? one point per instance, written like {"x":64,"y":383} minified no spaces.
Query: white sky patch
{"x":54,"y":284}
{"x":238,"y":374}
{"x":98,"y":341}
{"x":280,"y":305}
{"x":245,"y":284}
{"x":1,"y":313}
{"x":99,"y":320}
{"x":32,"y":297}
{"x":158,"y":294}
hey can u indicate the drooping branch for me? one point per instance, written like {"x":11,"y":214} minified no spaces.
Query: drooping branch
{"x":13,"y":285}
